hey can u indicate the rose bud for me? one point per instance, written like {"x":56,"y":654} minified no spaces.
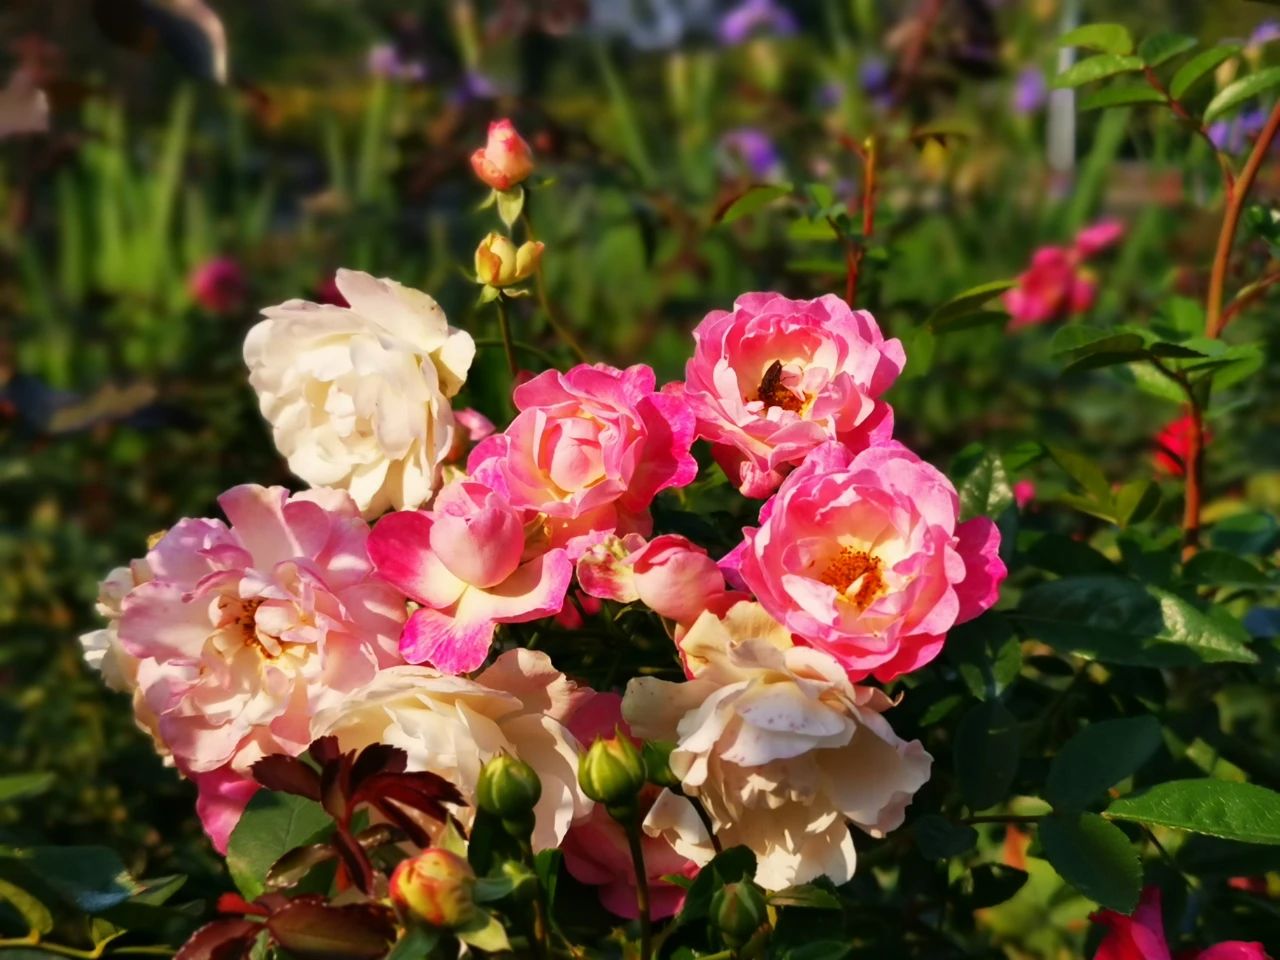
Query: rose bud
{"x":612,"y":772}
{"x":500,"y":263}
{"x":505,"y":160}
{"x":218,"y":285}
{"x":508,"y":788}
{"x":657,"y":763}
{"x":435,"y":887}
{"x":676,"y":578}
{"x":738,"y":910}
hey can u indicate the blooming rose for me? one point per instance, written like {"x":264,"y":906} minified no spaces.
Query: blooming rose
{"x":218,"y":285}
{"x":1056,"y":283}
{"x":470,"y":565}
{"x":590,"y":449}
{"x":670,"y":575}
{"x":781,"y":750}
{"x":358,"y":397}
{"x":596,"y":849}
{"x":505,"y":160}
{"x":774,"y":378}
{"x":1141,"y":937}
{"x":452,"y":726}
{"x":862,"y":556}
{"x":243,"y":631}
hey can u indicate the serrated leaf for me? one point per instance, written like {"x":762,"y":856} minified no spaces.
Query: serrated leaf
{"x":985,"y":754}
{"x":1126,"y":93}
{"x":1117,"y":620}
{"x":1097,"y":758}
{"x":1218,"y":808}
{"x":1097,"y":67}
{"x":752,"y":200}
{"x":271,"y":826}
{"x":1234,"y":94}
{"x":1107,"y":37}
{"x":1095,"y":857}
{"x":1202,"y":64}
{"x":968,"y":301}
{"x":1159,"y":47}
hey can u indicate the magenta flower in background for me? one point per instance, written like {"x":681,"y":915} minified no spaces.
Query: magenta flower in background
{"x":750,"y":150}
{"x":755,"y":18}
{"x":1141,"y":937}
{"x":1056,"y":283}
{"x":218,"y":285}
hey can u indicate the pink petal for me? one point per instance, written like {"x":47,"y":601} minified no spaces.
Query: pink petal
{"x":443,"y":640}
{"x":399,"y":547}
{"x":978,"y":542}
{"x":222,"y":799}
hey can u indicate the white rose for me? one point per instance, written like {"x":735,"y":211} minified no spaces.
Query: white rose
{"x":452,"y":725}
{"x":358,"y":397}
{"x":781,"y":750}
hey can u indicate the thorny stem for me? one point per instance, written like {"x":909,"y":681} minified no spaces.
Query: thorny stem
{"x":1215,"y":321}
{"x":855,"y":250}
{"x":561,"y":331}
{"x":504,"y":324}
{"x":632,"y":826}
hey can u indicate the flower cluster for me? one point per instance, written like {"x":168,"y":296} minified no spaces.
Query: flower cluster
{"x":295,"y":620}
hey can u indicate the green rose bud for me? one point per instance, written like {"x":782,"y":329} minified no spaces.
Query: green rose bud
{"x":612,"y":772}
{"x":508,"y":788}
{"x":738,"y":910}
{"x":657,"y":763}
{"x":436,"y":887}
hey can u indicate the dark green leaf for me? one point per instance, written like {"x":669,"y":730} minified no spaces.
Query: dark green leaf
{"x":986,"y":654}
{"x":1107,"y":37}
{"x":985,"y":490}
{"x":1217,"y":567}
{"x":1218,"y":808}
{"x":1246,"y":88}
{"x":752,"y":200}
{"x":1246,"y":533}
{"x":809,"y":896}
{"x":1136,"y":501}
{"x":291,"y":868}
{"x":1096,"y":68}
{"x":729,"y":866}
{"x":1097,"y":758}
{"x":988,"y":884}
{"x":92,"y":879}
{"x":1095,"y":857}
{"x":1122,"y":621}
{"x":272,"y":825}
{"x":985,"y":754}
{"x":1159,"y":47}
{"x":1125,"y":93}
{"x":937,"y":838}
{"x":1202,"y":64}
{"x":968,"y":301}
{"x":20,"y":786}
{"x":418,"y":942}
{"x":1084,"y":472}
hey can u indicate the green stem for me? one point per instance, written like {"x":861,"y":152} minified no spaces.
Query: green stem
{"x":33,"y":940}
{"x":632,"y":826}
{"x":541,"y":929}
{"x":561,"y":330}
{"x":508,"y":345}
{"x":528,"y":348}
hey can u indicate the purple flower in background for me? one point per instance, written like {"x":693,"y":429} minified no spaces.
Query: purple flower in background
{"x":1030,"y":91}
{"x":1264,"y":33}
{"x":384,"y":60}
{"x":1232,"y":136}
{"x":751,"y":149}
{"x":473,"y":86}
{"x":876,"y":78}
{"x":755,"y":17}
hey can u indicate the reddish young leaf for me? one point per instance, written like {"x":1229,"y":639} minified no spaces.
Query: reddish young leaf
{"x":311,"y":929}
{"x":220,"y":940}
{"x":287,"y":775}
{"x":325,"y":750}
{"x":354,"y":860}
{"x":374,"y":759}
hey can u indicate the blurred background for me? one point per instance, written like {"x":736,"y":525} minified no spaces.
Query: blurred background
{"x":168,"y":167}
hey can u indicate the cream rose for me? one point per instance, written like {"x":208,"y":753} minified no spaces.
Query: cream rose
{"x":358,"y":397}
{"x":778,"y":746}
{"x":452,"y":725}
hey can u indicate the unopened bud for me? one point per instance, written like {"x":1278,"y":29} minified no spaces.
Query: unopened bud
{"x":505,"y":159}
{"x":738,"y":910}
{"x":436,"y":887}
{"x":657,"y":763}
{"x":612,"y":772}
{"x":500,"y":263}
{"x":507,"y":787}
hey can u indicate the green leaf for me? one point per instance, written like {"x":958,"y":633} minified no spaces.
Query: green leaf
{"x":1254,"y":533}
{"x":1202,"y":64}
{"x":1097,"y":67}
{"x":937,"y":838}
{"x":34,"y":913}
{"x":418,"y":942}
{"x":986,"y":653}
{"x":20,"y":786}
{"x":1136,"y":501}
{"x":1245,"y":88}
{"x":808,"y":896}
{"x":967,"y":302}
{"x":92,"y":879}
{"x":1107,"y":37}
{"x":985,"y":490}
{"x":728,"y":866}
{"x":1116,"y":620}
{"x":510,"y":203}
{"x":1217,"y":808}
{"x":1125,"y":93}
{"x":1159,"y":47}
{"x":985,"y":754}
{"x":1219,"y":568}
{"x":1084,"y":472}
{"x":988,"y":884}
{"x":1097,"y":758}
{"x":1095,"y":857}
{"x":271,"y":826}
{"x":485,"y":933}
{"x":1105,"y":351}
{"x":752,"y":200}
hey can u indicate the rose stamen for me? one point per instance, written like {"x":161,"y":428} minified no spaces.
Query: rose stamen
{"x":773,"y":393}
{"x":852,"y":566}
{"x":243,"y":619}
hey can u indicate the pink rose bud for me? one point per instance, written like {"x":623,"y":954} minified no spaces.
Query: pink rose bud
{"x":676,"y":578}
{"x":218,"y":285}
{"x":505,"y":160}
{"x":436,"y":887}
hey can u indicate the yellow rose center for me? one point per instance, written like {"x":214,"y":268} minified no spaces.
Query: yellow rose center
{"x":856,"y":575}
{"x":773,"y":393}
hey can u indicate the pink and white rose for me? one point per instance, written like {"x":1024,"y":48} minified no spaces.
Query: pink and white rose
{"x":590,"y":449}
{"x":775,"y":377}
{"x":863,"y":555}
{"x":670,"y":574}
{"x":245,"y":629}
{"x":779,"y":747}
{"x":470,"y":563}
{"x":453,"y":725}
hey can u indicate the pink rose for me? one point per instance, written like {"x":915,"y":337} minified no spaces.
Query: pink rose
{"x":1141,"y":936}
{"x":505,"y":159}
{"x":670,"y":575}
{"x":589,"y":449}
{"x":1056,"y":283}
{"x":774,"y":378}
{"x":218,"y":285}
{"x":863,"y":556}
{"x":244,"y":631}
{"x":467,"y":562}
{"x":596,"y":850}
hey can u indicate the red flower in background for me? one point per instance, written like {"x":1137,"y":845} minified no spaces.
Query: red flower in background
{"x":1056,"y":283}
{"x":1172,"y":443}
